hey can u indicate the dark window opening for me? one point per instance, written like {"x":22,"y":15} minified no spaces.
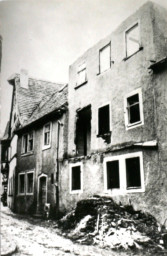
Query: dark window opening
{"x":83,"y":131}
{"x":29,"y":182}
{"x":104,"y":120}
{"x":21,"y":183}
{"x":133,"y":107}
{"x":113,"y":175}
{"x":133,"y":173}
{"x":76,"y":178}
{"x":52,"y":178}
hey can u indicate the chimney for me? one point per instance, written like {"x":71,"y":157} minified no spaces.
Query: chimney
{"x":24,"y":78}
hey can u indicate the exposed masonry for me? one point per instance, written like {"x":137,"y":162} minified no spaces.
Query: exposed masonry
{"x":104,"y":132}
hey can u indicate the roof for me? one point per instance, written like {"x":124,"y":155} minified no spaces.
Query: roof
{"x":159,"y":65}
{"x":6,"y":133}
{"x":56,"y":102}
{"x":28,"y":100}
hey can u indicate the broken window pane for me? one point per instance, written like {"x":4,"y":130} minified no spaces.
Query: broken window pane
{"x":105,"y":58}
{"x":76,"y":178}
{"x":82,"y":74}
{"x":133,"y":173}
{"x":104,"y":120}
{"x":25,"y":143}
{"x":29,"y":182}
{"x":133,"y":107}
{"x":132,"y":40}
{"x":113,"y":175}
{"x":30,"y":142}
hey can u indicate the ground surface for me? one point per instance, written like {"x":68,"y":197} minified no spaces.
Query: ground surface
{"x":37,"y":237}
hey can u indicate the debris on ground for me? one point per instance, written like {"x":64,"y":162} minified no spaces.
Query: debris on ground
{"x":100,"y":221}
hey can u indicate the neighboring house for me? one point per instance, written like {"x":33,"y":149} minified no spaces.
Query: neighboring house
{"x":4,"y":144}
{"x":37,"y":112}
{"x":117,"y":136}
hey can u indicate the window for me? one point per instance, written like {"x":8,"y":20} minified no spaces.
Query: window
{"x":30,"y":142}
{"x":134,"y":109}
{"x":105,"y":58}
{"x":30,"y":178}
{"x":76,"y":178}
{"x":82,"y":74}
{"x":113,"y":174}
{"x":21,"y":183}
{"x":132,"y":39}
{"x":104,"y":120}
{"x":133,"y":173}
{"x":124,"y":173}
{"x":47,"y":136}
{"x":27,"y":143}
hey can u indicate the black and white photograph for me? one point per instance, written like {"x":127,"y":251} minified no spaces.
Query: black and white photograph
{"x":83,"y":127}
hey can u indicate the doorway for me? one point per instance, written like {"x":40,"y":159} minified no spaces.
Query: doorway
{"x":42,"y":192}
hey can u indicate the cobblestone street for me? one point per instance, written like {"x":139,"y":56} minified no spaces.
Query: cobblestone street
{"x":34,"y":238}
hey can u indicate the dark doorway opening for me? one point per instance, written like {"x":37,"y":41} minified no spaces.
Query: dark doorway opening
{"x":42,"y":192}
{"x":83,"y":131}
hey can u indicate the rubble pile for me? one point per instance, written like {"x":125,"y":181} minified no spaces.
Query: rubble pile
{"x":100,"y":221}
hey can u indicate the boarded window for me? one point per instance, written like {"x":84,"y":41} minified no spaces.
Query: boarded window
{"x":47,"y":134}
{"x":104,"y":120}
{"x":132,"y":40}
{"x":82,"y":74}
{"x":133,"y":173}
{"x":133,"y":108}
{"x":105,"y":58}
{"x":76,"y":178}
{"x":113,"y":175}
{"x":30,"y":182}
{"x":21,"y":183}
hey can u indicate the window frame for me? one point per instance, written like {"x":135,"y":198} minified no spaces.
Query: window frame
{"x":22,"y":141}
{"x":110,"y":118}
{"x":78,"y":191}
{"x":29,"y":193}
{"x":21,"y":193}
{"x":81,"y":68}
{"x":43,"y":139}
{"x":125,"y":39}
{"x":122,"y":174}
{"x":100,"y":50}
{"x":126,"y":114}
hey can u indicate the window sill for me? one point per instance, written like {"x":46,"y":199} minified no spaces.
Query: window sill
{"x":76,"y":191}
{"x":100,"y":73}
{"x":104,"y":134}
{"x":135,"y":125}
{"x":116,"y":192}
{"x":128,"y":57}
{"x":79,"y":85}
{"x":29,"y":194}
{"x":27,"y":154}
{"x":21,"y":194}
{"x":46,"y":147}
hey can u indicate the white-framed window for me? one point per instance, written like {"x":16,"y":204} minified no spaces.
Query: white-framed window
{"x":124,"y":173}
{"x":133,"y":109}
{"x":132,"y":39}
{"x":27,"y":142}
{"x":105,"y":58}
{"x":76,"y":178}
{"x":104,"y":119}
{"x":82,"y":76}
{"x":47,"y":135}
{"x":29,"y":182}
{"x":21,"y":183}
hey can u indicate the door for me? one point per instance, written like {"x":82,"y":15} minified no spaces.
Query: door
{"x":42,"y":193}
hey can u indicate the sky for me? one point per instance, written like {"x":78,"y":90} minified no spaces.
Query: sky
{"x":45,"y":37}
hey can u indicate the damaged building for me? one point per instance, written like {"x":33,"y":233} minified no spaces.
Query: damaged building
{"x":113,"y":141}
